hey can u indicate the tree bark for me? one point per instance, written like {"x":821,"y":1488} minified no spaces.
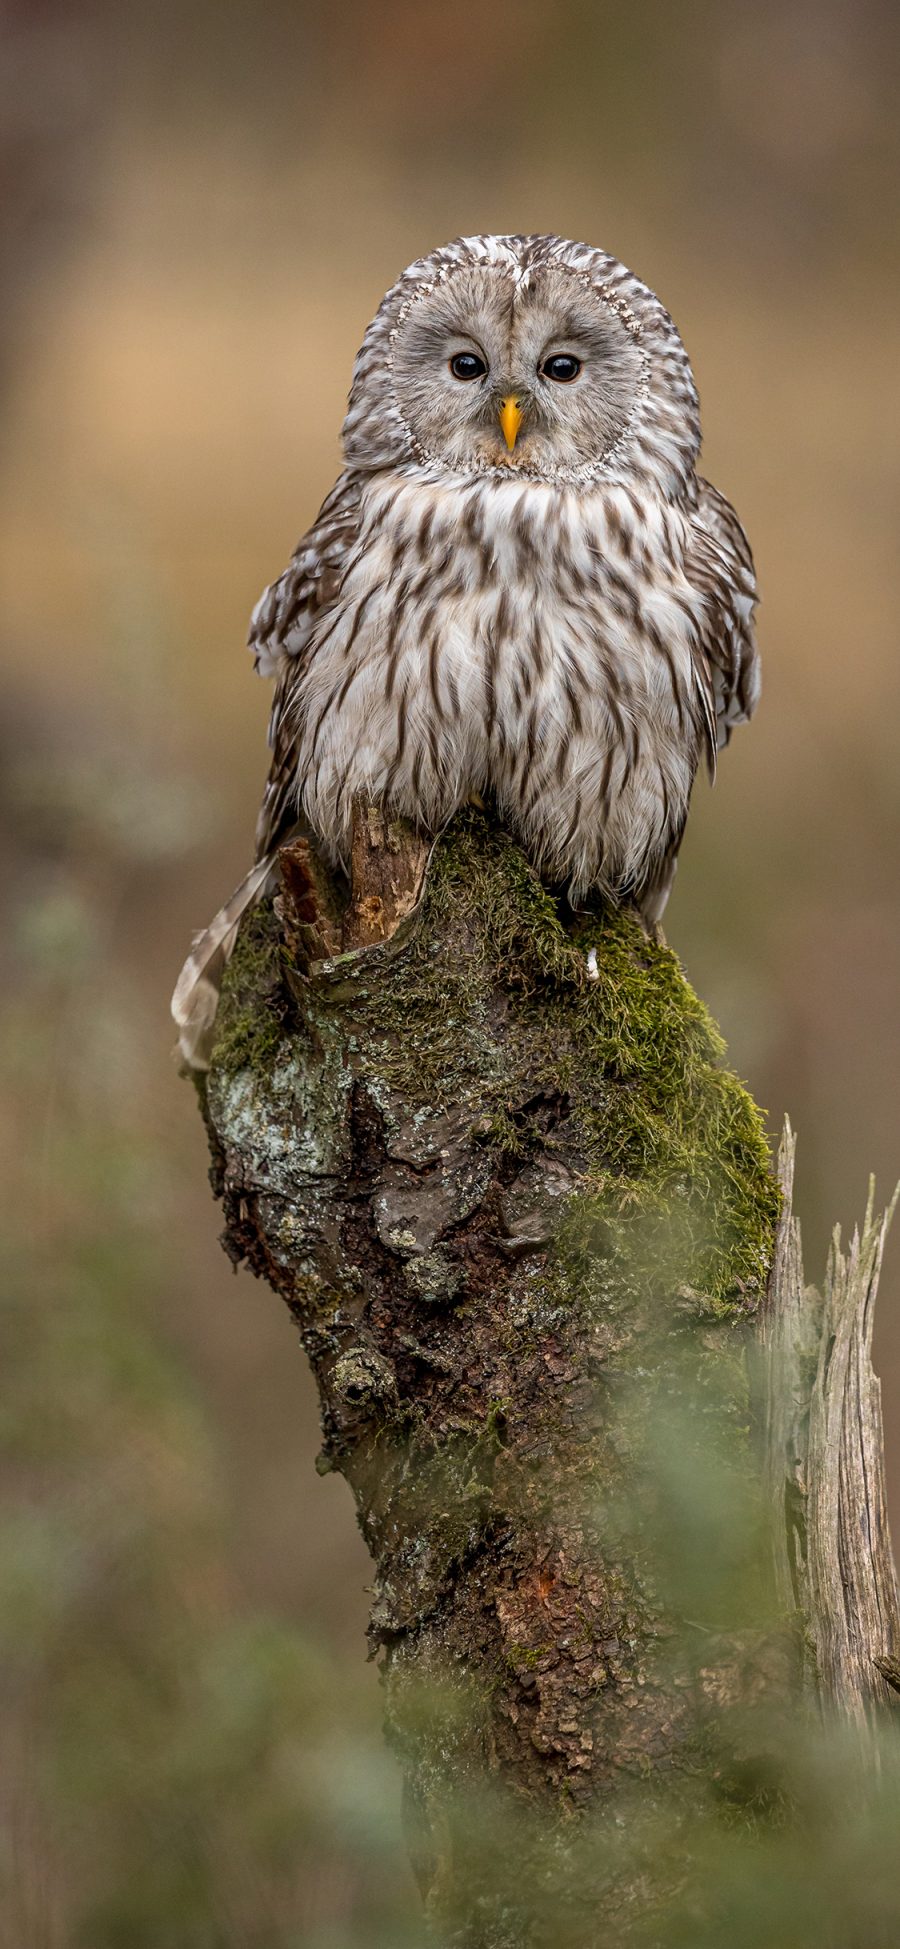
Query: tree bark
{"x":487,"y":1152}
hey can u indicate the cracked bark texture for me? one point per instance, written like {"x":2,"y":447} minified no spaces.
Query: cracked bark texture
{"x":487,"y":1152}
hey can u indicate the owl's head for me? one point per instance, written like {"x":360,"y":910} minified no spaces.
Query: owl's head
{"x":524,"y":356}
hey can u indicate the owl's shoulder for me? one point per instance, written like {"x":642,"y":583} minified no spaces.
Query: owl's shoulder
{"x":284,"y":618}
{"x":720,"y":567}
{"x":716,"y":521}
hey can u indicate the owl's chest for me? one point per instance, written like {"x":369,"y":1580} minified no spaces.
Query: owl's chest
{"x":525,"y":614}
{"x":487,"y":618}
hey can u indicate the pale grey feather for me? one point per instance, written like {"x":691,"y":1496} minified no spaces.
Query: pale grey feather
{"x":196,"y":996}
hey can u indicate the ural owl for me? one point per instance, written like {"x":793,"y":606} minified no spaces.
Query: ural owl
{"x":519,"y":589}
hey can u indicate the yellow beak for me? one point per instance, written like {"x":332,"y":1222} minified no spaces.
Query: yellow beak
{"x":511,"y":420}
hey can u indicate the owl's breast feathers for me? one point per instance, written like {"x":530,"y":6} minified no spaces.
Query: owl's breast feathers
{"x":570,"y":651}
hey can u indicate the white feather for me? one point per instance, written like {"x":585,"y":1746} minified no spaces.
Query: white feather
{"x":196,"y":996}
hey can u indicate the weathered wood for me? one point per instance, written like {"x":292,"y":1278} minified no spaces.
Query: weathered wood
{"x":488,"y":1154}
{"x":825,"y":1460}
{"x":387,"y":875}
{"x":514,"y":1203}
{"x":307,"y":906}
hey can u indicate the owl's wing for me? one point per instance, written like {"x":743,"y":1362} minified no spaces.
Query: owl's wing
{"x":719,"y":566}
{"x":282,"y":630}
{"x":282,"y":627}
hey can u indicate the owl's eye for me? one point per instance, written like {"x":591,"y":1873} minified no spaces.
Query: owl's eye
{"x":467,"y":365}
{"x":562,"y":367}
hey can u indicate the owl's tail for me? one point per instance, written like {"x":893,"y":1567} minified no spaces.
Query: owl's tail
{"x":196,"y":996}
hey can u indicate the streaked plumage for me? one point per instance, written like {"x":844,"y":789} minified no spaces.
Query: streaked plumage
{"x":564,"y":629}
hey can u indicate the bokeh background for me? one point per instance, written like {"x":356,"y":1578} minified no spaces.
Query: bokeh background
{"x":202,"y":204}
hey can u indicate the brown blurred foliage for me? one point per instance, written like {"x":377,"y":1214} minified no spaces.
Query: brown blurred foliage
{"x":202,"y":205}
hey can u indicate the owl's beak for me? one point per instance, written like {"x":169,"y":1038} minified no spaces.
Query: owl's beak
{"x":510,"y":420}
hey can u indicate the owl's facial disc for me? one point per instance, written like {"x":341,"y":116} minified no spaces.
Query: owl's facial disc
{"x":539,"y":378}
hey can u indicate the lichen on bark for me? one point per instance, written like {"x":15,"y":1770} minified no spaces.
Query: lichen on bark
{"x":633,"y":1053}
{"x":511,"y":1194}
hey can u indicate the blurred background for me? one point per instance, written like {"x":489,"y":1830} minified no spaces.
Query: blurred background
{"x":202,"y":205}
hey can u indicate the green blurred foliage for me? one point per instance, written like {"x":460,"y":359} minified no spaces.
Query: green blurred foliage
{"x":178,"y":1769}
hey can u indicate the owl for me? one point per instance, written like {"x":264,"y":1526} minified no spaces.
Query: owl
{"x":520,"y":590}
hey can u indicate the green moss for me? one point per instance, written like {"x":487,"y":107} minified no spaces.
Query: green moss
{"x":527,"y":1657}
{"x":680,"y":1183}
{"x":248,"y":1035}
{"x":493,"y":990}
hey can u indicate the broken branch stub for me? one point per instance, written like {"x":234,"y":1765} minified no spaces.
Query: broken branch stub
{"x":825,"y":1459}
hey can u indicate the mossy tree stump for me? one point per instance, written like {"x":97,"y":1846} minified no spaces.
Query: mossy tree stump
{"x":515,"y":1203}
